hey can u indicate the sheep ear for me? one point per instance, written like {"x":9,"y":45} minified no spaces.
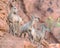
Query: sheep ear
{"x":32,"y":17}
{"x":10,"y":5}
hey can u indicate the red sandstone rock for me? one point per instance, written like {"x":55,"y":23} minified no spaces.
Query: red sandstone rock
{"x":40,"y":8}
{"x":28,"y":44}
{"x":3,"y":26}
{"x":54,"y":46}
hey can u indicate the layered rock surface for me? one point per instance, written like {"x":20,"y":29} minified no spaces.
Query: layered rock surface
{"x":40,"y":8}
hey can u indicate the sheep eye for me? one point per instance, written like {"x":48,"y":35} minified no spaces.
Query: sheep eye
{"x":14,"y":12}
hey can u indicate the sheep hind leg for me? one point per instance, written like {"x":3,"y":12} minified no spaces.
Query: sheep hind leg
{"x":39,"y":45}
{"x":24,"y":35}
{"x":20,"y":34}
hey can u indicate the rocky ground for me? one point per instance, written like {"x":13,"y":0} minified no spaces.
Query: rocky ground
{"x":40,"y":8}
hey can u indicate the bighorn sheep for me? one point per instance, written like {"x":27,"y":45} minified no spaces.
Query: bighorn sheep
{"x":25,"y":28}
{"x":14,"y":20}
{"x":38,"y":35}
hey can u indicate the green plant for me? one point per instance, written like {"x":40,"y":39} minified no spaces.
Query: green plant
{"x":52,"y":23}
{"x":58,"y":22}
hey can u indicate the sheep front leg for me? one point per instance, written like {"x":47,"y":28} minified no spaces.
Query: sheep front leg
{"x":14,"y":30}
{"x":30,"y":37}
{"x":10,"y":28}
